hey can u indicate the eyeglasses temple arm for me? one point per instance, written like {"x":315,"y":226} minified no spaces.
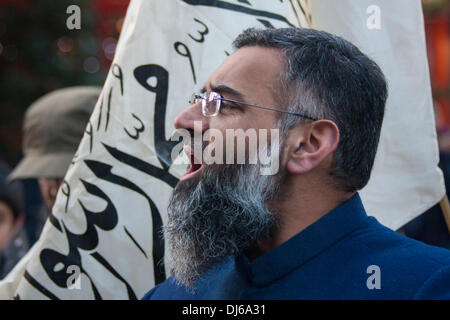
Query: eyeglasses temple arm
{"x":270,"y":109}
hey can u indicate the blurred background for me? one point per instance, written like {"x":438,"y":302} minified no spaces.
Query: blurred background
{"x":38,"y":54}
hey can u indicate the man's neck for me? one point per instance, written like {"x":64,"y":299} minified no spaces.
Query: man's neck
{"x":296,"y":210}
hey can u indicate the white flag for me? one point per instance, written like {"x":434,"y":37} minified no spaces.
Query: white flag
{"x":103,"y":240}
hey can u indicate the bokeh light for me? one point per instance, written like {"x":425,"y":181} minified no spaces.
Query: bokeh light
{"x":65,"y":44}
{"x":91,"y":65}
{"x":109,"y":47}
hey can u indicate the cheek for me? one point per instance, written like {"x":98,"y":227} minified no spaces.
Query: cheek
{"x":45,"y":193}
{"x":240,"y":135}
{"x":236,"y":125}
{"x":48,"y":194}
{"x":49,"y":201}
{"x":5,"y":234}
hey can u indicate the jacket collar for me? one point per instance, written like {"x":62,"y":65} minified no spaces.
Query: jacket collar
{"x":307,"y":244}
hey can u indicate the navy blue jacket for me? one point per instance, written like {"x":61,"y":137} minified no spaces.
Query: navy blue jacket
{"x":343,"y":255}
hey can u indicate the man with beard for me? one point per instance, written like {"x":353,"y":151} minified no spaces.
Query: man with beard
{"x":302,"y":233}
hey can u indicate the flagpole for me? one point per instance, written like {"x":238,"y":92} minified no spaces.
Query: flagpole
{"x":445,"y":207}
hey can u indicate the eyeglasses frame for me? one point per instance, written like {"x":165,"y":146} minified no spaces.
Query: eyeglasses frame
{"x":198,"y":96}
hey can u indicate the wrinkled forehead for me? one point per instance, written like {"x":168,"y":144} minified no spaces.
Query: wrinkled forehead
{"x":250,"y":70}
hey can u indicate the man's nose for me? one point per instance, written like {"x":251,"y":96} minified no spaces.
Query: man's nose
{"x":190,"y":116}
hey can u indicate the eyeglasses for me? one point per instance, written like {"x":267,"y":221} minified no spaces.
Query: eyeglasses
{"x":211,"y":102}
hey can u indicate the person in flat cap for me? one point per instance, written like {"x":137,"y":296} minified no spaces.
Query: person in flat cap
{"x":52,"y":130}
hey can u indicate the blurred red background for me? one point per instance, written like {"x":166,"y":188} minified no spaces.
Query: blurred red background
{"x":437,"y":28}
{"x":38,"y":54}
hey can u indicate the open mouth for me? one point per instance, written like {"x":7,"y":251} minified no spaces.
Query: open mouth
{"x":195,"y":166}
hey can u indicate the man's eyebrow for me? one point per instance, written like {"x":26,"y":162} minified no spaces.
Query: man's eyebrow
{"x":221,"y":88}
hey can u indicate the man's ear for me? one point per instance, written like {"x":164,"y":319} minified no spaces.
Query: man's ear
{"x":311,"y":145}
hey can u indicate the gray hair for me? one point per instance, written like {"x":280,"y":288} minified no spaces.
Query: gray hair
{"x":221,"y":214}
{"x":327,"y":77}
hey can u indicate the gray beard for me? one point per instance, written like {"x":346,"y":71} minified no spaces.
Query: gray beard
{"x":222,"y":212}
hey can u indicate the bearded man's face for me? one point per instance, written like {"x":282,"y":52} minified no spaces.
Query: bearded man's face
{"x":218,"y":210}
